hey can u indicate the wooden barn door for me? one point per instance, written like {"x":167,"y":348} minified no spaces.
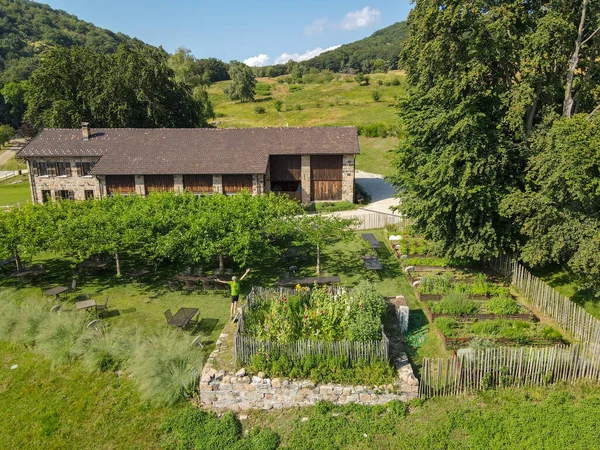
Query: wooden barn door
{"x":120,"y":184}
{"x":159,"y":183}
{"x":326,"y":177}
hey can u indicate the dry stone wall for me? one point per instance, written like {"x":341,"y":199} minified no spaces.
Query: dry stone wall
{"x":239,"y":391}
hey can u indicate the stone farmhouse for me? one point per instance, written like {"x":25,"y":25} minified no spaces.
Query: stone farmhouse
{"x":308,"y":164}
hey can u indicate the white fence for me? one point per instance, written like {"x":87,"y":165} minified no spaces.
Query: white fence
{"x":371,"y":220}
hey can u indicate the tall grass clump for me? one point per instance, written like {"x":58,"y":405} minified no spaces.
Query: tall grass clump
{"x":166,"y":367}
{"x":58,"y":336}
{"x":454,"y":303}
{"x":30,"y":316}
{"x":106,"y":352}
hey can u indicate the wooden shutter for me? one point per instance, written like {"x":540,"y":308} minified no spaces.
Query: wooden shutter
{"x":71,"y":195}
{"x":52,"y":169}
{"x":68,"y":169}
{"x":34,"y":168}
{"x":78,"y":169}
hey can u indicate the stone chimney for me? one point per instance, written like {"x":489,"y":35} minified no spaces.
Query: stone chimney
{"x":85,"y":130}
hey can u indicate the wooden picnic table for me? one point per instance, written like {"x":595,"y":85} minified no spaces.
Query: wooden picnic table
{"x":372,"y":263}
{"x":56,"y":291}
{"x":93,"y":264}
{"x":86,"y":304}
{"x":189,"y":277}
{"x":308,"y":281}
{"x":371,"y":239}
{"x":183,"y":317}
{"x":137,"y":274}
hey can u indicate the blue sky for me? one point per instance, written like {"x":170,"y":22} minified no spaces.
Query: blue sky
{"x":260,"y":32}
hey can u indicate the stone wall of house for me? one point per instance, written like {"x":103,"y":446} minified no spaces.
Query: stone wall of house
{"x":348,"y":178}
{"x":305,"y":178}
{"x":222,"y":390}
{"x":74,"y":182}
{"x":258,"y":184}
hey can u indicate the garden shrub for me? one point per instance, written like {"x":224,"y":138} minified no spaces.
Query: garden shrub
{"x":165,"y":368}
{"x":435,"y":284}
{"x":503,"y":305}
{"x":259,"y":110}
{"x":447,"y":326}
{"x":550,"y":333}
{"x":294,"y":88}
{"x":321,"y":369}
{"x":278,"y":105}
{"x":193,"y":428}
{"x":454,"y":303}
{"x":106,"y":353}
{"x":377,"y":129}
{"x":263,"y":89}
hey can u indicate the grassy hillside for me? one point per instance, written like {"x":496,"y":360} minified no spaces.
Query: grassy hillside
{"x":340,"y":102}
{"x":14,"y":193}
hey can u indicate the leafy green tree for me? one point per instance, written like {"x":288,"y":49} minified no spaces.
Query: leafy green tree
{"x":278,"y":104}
{"x":318,"y":230}
{"x":133,"y":87}
{"x":24,"y":232}
{"x":6,"y":132}
{"x":14,"y":96}
{"x":242,"y":84}
{"x":558,"y":212}
{"x":482,"y":77}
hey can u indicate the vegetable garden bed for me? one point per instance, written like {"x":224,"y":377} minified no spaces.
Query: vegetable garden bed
{"x":320,"y":322}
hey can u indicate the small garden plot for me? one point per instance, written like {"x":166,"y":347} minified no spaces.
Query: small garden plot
{"x":489,"y":333}
{"x":466,"y":309}
{"x":322,"y":334}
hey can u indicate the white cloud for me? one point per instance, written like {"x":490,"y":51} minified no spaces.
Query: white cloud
{"x":285,"y":57}
{"x":257,"y":61}
{"x":318,"y":26}
{"x":360,"y":19}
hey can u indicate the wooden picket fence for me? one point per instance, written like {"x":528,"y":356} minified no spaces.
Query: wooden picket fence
{"x":567,"y":314}
{"x":474,"y":370}
{"x":246,"y":346}
{"x":372,"y":220}
{"x":481,"y":369}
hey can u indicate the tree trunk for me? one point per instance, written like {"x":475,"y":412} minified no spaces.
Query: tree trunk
{"x":318,"y":260}
{"x":533,"y":110}
{"x":221,"y":264}
{"x":573,"y":62}
{"x":18,"y":262}
{"x":118,"y":262}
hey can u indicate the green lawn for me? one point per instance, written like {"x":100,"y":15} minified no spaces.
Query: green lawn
{"x":11,"y":194}
{"x":568,"y":285}
{"x":375,"y":156}
{"x":557,"y":417}
{"x":13,"y":163}
{"x":70,"y":408}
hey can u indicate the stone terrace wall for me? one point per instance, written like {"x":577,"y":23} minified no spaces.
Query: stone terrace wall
{"x":222,"y":390}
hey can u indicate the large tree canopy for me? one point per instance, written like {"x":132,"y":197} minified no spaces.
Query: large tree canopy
{"x":133,"y":87}
{"x":483,"y":76}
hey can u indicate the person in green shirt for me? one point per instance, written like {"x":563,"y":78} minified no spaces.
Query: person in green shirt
{"x":236,"y":287}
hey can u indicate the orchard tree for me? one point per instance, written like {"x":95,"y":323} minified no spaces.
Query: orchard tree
{"x":318,"y":231}
{"x":242,"y":82}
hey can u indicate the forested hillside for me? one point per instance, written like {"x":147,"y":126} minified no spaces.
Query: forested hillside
{"x":28,"y":28}
{"x":376,"y":53}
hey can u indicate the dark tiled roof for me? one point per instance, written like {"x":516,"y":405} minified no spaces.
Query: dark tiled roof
{"x":147,"y":151}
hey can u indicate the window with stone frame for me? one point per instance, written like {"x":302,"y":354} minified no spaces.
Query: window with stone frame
{"x":63,"y":169}
{"x":88,"y":194}
{"x":64,"y":194}
{"x":41,"y":168}
{"x":46,"y":196}
{"x":83,"y":168}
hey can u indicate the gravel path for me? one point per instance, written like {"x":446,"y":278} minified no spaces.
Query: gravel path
{"x":381,"y":192}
